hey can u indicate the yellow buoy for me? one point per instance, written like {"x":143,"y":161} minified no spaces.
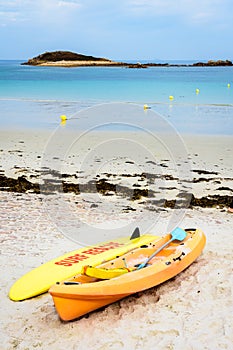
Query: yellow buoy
{"x":197,"y":91}
{"x":63,"y":117}
{"x":171,"y":97}
{"x":228,"y":85}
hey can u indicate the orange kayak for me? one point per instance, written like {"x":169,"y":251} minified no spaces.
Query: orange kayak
{"x":125,"y":275}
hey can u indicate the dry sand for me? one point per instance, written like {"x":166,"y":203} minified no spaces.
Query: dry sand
{"x":80,"y":63}
{"x":192,"y":311}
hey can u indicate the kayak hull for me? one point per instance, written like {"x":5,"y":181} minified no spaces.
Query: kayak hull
{"x":70,"y":309}
{"x":82,"y":294}
{"x":40,"y":279}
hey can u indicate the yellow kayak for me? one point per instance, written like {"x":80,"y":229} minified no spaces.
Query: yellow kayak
{"x":40,"y":279}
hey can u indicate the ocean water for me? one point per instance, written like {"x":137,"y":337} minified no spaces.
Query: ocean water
{"x":35,"y":97}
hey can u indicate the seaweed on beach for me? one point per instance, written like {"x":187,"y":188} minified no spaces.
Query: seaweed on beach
{"x":106,"y":188}
{"x":21,"y":185}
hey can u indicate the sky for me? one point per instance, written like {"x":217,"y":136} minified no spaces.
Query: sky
{"x":139,"y":30}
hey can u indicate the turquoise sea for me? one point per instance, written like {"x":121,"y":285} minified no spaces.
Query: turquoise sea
{"x":35,"y":97}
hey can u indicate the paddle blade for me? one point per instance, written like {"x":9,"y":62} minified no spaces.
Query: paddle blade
{"x":178,"y":233}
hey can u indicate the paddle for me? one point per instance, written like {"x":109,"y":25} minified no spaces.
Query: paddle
{"x":177,"y":234}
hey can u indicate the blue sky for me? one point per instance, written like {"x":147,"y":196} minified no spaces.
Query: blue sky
{"x":118,"y":29}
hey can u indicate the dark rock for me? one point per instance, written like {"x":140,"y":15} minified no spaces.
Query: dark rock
{"x":212,"y":63}
{"x":137,"y":65}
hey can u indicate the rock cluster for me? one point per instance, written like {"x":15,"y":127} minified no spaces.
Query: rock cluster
{"x":213,"y":63}
{"x":71,"y":59}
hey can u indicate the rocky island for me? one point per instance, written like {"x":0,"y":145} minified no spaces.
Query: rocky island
{"x":72,"y":59}
{"x":69,"y":59}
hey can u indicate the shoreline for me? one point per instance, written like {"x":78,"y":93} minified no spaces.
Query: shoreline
{"x":80,"y":64}
{"x":153,"y":178}
{"x":109,"y":63}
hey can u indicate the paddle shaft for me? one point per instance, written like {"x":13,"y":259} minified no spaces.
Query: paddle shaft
{"x":155,"y":253}
{"x":178,"y":233}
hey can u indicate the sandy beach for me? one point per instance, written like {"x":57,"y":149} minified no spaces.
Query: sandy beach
{"x":66,"y":63}
{"x":192,"y":311}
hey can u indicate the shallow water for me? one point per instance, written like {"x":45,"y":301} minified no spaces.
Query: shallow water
{"x":35,"y":97}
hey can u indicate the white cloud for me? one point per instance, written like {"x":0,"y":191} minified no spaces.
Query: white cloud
{"x":10,"y":15}
{"x":57,"y":4}
{"x":30,"y":10}
{"x":69,"y":4}
{"x":189,"y":10}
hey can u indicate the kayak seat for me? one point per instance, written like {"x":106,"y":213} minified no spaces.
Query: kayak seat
{"x":103,"y":273}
